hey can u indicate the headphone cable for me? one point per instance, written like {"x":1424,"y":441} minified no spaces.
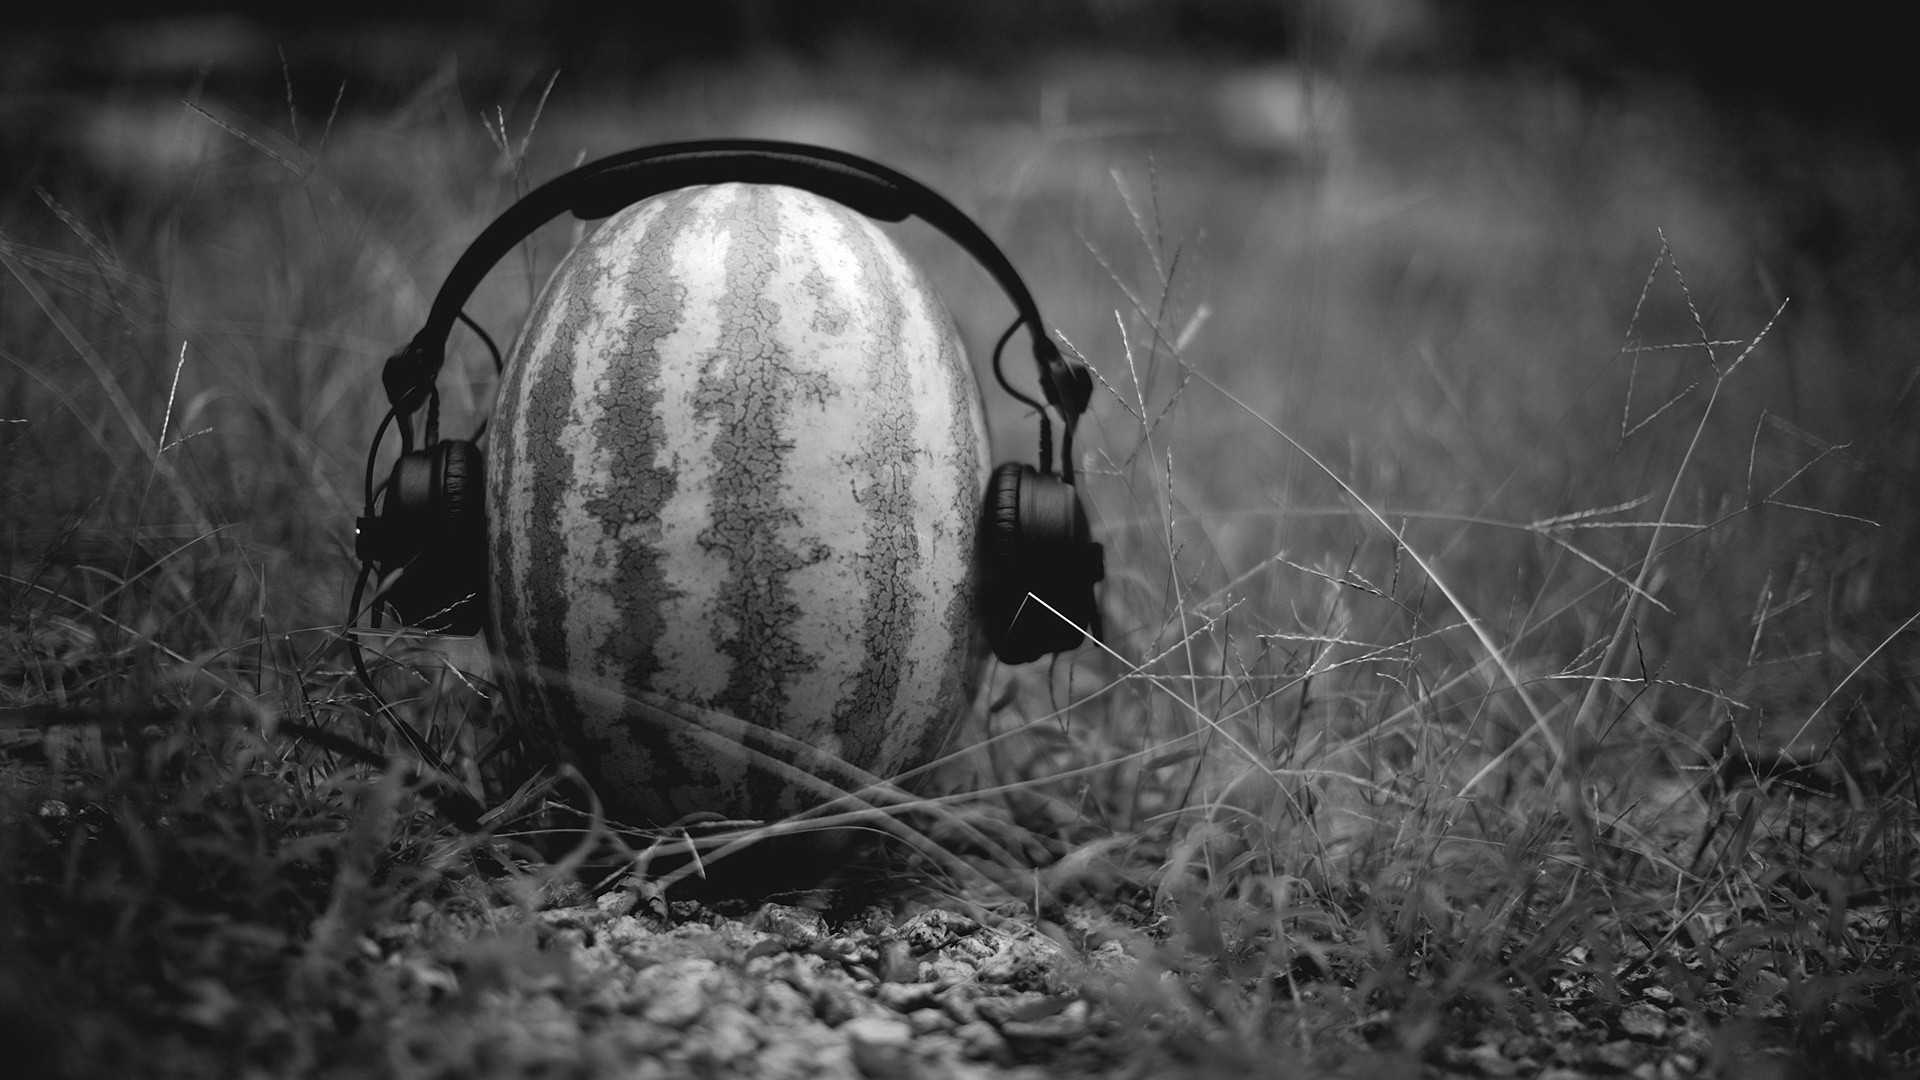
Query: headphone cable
{"x":1068,"y":420}
{"x":459,"y":806}
{"x":499,"y":368}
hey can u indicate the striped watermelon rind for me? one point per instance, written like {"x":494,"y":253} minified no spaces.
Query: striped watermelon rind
{"x":734,"y":484}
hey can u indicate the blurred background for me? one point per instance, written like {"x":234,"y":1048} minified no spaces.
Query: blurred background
{"x":1414,"y":236}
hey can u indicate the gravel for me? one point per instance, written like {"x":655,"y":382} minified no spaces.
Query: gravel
{"x":626,"y":987}
{"x":615,"y":986}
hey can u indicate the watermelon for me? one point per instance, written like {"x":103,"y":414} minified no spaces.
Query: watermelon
{"x":734,"y":485}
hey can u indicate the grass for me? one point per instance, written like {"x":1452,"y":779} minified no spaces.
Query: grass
{"x":1511,"y":618}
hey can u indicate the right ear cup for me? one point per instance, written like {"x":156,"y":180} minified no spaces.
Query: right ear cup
{"x":1035,"y":542}
{"x":433,"y":527}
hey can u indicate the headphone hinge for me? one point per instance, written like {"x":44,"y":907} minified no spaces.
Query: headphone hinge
{"x":409,"y":374}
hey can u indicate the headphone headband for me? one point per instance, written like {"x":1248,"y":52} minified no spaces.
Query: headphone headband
{"x":601,"y":188}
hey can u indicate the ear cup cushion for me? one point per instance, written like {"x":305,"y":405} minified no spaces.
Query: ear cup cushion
{"x":1000,"y":585}
{"x":1002,"y":517}
{"x":462,"y":485}
{"x":463,"y":503}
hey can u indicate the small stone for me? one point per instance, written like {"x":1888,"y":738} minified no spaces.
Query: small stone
{"x":798,"y":926}
{"x":1112,"y":958}
{"x":802,"y":971}
{"x":540,"y":1037}
{"x":1643,"y":1021}
{"x":428,"y":978}
{"x":209,"y":1003}
{"x":928,"y":1021}
{"x":972,"y":950}
{"x":647,"y":1068}
{"x":780,"y":1005}
{"x":872,"y":919}
{"x":1526,"y":1046}
{"x":934,"y":929}
{"x":1486,"y":1059}
{"x":676,"y":991}
{"x":1679,"y":1067}
{"x":881,"y":1047}
{"x":765,"y":947}
{"x":905,"y":996}
{"x":622,"y":931}
{"x":834,"y":1004}
{"x":839,"y":949}
{"x":615,"y":903}
{"x":982,"y":1042}
{"x":1039,"y":1035}
{"x":1000,"y":1008}
{"x":1560,"y":1022}
{"x":815,"y":1054}
{"x":1620,"y":1055}
{"x":944,"y":969}
{"x":959,"y":1005}
{"x":728,"y":1032}
{"x":629,"y":1039}
{"x":896,"y":963}
{"x":1001,"y":967}
{"x":564,"y":893}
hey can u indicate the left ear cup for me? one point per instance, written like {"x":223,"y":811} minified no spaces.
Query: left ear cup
{"x":433,"y":527}
{"x":1035,"y":543}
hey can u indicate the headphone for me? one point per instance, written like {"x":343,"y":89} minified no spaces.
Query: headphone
{"x":427,"y":541}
